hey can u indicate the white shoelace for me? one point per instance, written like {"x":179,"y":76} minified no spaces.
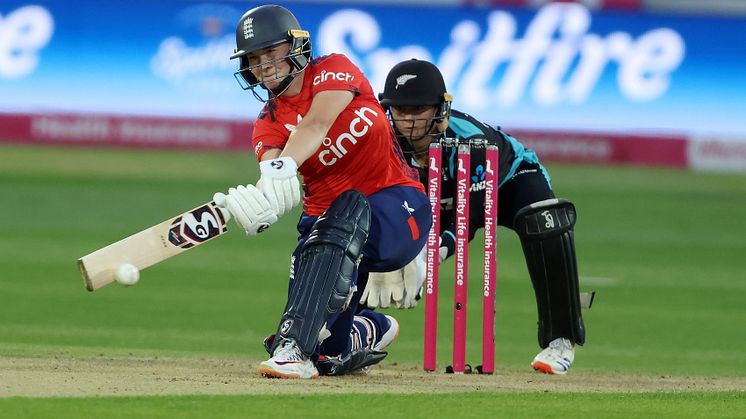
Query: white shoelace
{"x":561,"y":344}
{"x":289,"y":351}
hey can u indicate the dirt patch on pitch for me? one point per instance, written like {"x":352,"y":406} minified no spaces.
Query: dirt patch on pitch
{"x":80,"y":377}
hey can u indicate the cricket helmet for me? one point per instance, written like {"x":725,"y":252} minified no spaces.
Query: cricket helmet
{"x":264,"y":27}
{"x":415,"y":83}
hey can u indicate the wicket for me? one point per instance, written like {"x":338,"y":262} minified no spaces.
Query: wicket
{"x":463,"y":187}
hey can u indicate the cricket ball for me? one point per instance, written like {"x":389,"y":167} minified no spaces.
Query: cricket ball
{"x":127,"y":274}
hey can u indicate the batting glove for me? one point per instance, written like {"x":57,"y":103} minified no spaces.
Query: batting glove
{"x":279,"y":183}
{"x":248,"y":206}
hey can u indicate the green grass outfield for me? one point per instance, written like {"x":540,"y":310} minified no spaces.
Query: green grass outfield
{"x":456,"y":405}
{"x":665,"y":251}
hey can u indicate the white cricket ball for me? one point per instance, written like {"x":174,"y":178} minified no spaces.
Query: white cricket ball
{"x":127,"y":274}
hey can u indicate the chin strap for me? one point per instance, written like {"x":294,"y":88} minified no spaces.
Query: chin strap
{"x":284,"y":84}
{"x":273,"y":94}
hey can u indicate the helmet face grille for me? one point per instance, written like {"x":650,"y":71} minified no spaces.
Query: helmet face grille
{"x":414,"y":84}
{"x":406,"y":128}
{"x":298,"y":58}
{"x":409,"y":125}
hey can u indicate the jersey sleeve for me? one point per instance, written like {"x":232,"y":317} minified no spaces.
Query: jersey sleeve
{"x":265,"y":138}
{"x":336,"y":72}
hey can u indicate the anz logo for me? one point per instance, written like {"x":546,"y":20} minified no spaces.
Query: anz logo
{"x":477,"y":179}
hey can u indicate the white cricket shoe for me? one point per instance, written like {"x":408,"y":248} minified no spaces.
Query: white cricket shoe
{"x":555,"y":358}
{"x":389,"y":336}
{"x":288,"y":362}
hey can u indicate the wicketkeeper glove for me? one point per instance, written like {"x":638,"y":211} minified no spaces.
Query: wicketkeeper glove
{"x":279,"y":183}
{"x":248,"y":206}
{"x":400,"y":287}
{"x":414,"y":277}
{"x":383,"y":288}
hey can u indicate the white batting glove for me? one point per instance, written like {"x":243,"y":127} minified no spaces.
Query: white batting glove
{"x":248,"y":206}
{"x":279,"y":183}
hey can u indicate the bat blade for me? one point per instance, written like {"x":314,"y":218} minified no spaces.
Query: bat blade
{"x":153,"y":245}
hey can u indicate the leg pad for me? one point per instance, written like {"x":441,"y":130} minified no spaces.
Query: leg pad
{"x":546,"y":232}
{"x":324,"y":280}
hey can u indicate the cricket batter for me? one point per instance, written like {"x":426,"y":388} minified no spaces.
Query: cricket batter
{"x":420,"y":110}
{"x":364,"y":209}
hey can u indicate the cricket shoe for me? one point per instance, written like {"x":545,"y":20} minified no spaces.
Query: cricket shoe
{"x":388,"y":337}
{"x":288,"y":362}
{"x":555,"y":358}
{"x":361,"y":360}
{"x":355,"y":362}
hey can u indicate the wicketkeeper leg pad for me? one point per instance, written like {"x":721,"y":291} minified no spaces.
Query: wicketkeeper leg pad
{"x":546,"y":232}
{"x":325,"y":272}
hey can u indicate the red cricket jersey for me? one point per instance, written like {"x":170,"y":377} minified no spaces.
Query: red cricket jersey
{"x":359,"y":151}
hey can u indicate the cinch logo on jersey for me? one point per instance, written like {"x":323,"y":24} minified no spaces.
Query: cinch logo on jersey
{"x":330,"y":75}
{"x":336,"y":149}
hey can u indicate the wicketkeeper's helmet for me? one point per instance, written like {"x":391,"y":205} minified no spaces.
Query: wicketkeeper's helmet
{"x":417,"y":83}
{"x":266,"y":26}
{"x":414,"y":83}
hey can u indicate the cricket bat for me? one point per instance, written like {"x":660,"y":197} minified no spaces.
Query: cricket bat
{"x":153,"y":245}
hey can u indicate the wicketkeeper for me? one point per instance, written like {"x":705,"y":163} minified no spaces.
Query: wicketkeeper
{"x":419,"y":108}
